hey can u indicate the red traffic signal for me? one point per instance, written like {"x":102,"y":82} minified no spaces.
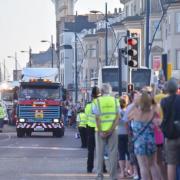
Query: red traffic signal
{"x":132,"y":42}
{"x":132,"y":52}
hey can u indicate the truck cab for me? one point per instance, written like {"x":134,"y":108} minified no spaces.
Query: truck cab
{"x":39,"y":107}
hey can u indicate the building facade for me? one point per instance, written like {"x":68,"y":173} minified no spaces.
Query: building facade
{"x":171,"y":37}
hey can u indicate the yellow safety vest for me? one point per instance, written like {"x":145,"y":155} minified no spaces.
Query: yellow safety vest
{"x":2,"y":113}
{"x":108,"y":107}
{"x":82,"y":120}
{"x":91,"y":117}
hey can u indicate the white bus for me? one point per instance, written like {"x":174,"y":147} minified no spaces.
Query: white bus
{"x":139,"y":77}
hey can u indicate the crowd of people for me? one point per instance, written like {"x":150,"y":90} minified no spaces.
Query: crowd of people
{"x":139,"y":131}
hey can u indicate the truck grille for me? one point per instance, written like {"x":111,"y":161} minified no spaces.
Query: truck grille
{"x":49,"y":113}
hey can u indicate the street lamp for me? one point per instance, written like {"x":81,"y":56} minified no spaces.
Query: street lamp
{"x":15,"y":58}
{"x":30,"y":53}
{"x":52,"y":48}
{"x":106,"y":37}
{"x":76,"y":59}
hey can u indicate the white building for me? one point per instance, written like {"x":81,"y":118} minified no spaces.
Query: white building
{"x":171,"y":37}
{"x":66,"y":58}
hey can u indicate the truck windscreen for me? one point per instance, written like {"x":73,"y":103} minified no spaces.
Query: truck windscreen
{"x":39,"y":93}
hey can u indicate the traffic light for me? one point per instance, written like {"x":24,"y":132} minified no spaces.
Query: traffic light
{"x":132,"y":52}
{"x":130,"y":88}
{"x":64,"y":94}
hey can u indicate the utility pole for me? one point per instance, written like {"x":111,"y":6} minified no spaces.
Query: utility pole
{"x":4,"y":70}
{"x":106,"y":38}
{"x":15,"y":75}
{"x":76,"y":73}
{"x":0,"y":73}
{"x":120,"y":72}
{"x":147,"y":32}
{"x":30,"y":52}
{"x":52,"y":50}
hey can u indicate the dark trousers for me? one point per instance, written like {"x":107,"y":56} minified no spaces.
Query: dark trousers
{"x":83,"y":135}
{"x":91,"y":149}
{"x":1,"y":123}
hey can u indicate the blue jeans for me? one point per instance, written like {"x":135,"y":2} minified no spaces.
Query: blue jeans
{"x":65,"y":121}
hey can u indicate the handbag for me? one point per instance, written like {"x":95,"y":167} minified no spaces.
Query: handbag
{"x":170,"y":126}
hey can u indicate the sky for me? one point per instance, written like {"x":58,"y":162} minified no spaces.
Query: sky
{"x":24,"y":23}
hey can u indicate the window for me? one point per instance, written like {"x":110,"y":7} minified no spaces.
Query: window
{"x":154,"y":26}
{"x":177,"y":24}
{"x":135,"y":9}
{"x":132,"y":10}
{"x":92,"y":51}
{"x":169,"y":24}
{"x":61,"y":39}
{"x":177,"y":59}
{"x":62,"y":58}
{"x":91,"y":73}
{"x":127,"y":11}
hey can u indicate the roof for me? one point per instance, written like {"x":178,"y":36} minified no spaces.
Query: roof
{"x":117,"y":24}
{"x":101,"y":30}
{"x":36,"y":73}
{"x":133,"y":18}
{"x":43,"y":57}
{"x":90,"y":35}
{"x":81,"y":22}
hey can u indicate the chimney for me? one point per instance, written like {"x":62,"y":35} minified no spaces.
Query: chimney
{"x":115,"y":11}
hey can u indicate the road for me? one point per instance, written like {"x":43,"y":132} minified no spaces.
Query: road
{"x":42,"y":157}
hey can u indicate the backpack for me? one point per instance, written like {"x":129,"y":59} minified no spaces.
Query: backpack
{"x":170,"y":126}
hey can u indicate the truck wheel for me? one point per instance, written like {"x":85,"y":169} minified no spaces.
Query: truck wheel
{"x":54,"y":134}
{"x":28,"y":133}
{"x":20,"y":133}
{"x":58,"y":133}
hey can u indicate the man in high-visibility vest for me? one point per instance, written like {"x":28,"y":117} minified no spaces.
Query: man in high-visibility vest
{"x":82,"y":123}
{"x":107,"y":114}
{"x":91,"y":124}
{"x":2,"y":116}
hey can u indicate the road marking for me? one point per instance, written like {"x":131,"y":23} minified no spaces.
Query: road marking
{"x":40,"y":148}
{"x":7,"y":137}
{"x":65,"y":175}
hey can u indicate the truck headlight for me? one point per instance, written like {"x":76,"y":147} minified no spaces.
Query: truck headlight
{"x":55,"y":120}
{"x":21,"y":120}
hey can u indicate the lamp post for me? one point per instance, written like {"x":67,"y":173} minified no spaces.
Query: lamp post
{"x":4,"y":70}
{"x":15,"y":58}
{"x":106,"y":31}
{"x":76,"y":58}
{"x":30,"y":53}
{"x":52,"y":49}
{"x":147,"y":32}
